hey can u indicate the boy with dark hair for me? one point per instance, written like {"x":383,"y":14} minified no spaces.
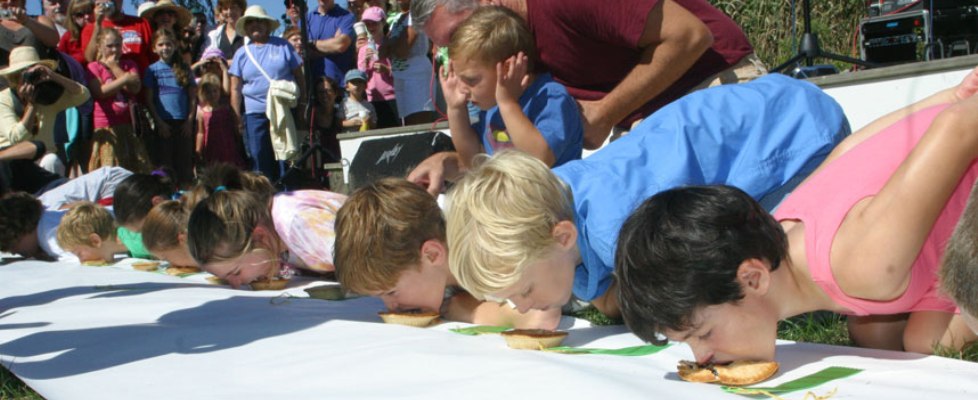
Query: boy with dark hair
{"x":862,"y":236}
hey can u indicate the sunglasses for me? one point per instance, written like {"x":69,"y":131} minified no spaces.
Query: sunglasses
{"x":79,"y":14}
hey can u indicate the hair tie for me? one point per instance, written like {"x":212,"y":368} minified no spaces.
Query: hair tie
{"x":176,"y":195}
{"x":220,"y":189}
{"x":160,"y":173}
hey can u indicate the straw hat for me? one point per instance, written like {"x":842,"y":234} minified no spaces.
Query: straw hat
{"x":23,"y":57}
{"x":183,"y":14}
{"x":255,"y":12}
{"x":145,"y":6}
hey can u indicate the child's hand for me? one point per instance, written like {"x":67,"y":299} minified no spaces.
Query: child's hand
{"x":449,"y":87}
{"x":511,"y":78}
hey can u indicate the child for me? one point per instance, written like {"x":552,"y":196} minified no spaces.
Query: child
{"x":88,"y":231}
{"x":380,"y":82}
{"x":239,"y":237}
{"x":357,"y":112}
{"x":493,"y":56}
{"x":170,"y":97}
{"x":212,"y":61}
{"x":294,"y":36}
{"x":137,"y":194}
{"x":862,"y":236}
{"x":113,"y":84}
{"x":217,"y":142}
{"x":165,"y":226}
{"x":28,"y":225}
{"x":519,"y":231}
{"x":390,"y":243}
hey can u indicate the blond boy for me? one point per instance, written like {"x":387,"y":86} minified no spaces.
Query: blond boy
{"x":521,"y":231}
{"x":88,"y":231}
{"x":390,"y":243}
{"x":493,"y":56}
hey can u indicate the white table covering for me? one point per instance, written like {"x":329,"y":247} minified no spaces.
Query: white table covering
{"x":74,"y":332}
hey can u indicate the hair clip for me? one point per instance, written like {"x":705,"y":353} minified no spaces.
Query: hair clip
{"x":220,"y":189}
{"x":160,"y":173}
{"x":177,"y":195}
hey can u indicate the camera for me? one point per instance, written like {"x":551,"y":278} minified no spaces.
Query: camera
{"x":6,"y":14}
{"x":45,"y":93}
{"x":107,"y":7}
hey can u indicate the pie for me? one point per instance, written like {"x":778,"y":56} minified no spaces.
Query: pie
{"x":269,"y":284}
{"x":177,"y":270}
{"x":737,"y":373}
{"x":533,"y":339}
{"x":416,"y":319}
{"x":145,"y":265}
{"x":95,"y":263}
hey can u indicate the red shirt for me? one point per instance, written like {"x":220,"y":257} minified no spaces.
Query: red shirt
{"x":573,"y":35}
{"x":72,"y":48}
{"x":136,"y":39}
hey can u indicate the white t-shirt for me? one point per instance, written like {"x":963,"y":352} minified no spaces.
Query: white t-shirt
{"x":93,"y":186}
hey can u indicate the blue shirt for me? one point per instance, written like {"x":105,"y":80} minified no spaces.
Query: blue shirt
{"x":322,"y":27}
{"x":551,"y":109}
{"x":171,"y":98}
{"x":277,"y":58}
{"x":756,"y":136}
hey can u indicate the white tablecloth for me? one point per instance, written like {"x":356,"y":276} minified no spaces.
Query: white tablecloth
{"x":74,"y":332}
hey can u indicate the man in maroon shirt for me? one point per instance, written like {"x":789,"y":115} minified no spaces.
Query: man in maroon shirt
{"x":621,"y":59}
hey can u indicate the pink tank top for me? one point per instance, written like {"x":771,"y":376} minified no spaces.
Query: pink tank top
{"x":823,"y":201}
{"x":304,"y":221}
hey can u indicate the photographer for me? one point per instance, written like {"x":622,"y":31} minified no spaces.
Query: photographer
{"x":18,"y":29}
{"x":36,"y":95}
{"x":108,"y":14}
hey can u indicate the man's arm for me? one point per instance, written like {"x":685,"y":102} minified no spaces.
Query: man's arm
{"x":27,"y":150}
{"x":334,"y":45}
{"x":672,"y":41}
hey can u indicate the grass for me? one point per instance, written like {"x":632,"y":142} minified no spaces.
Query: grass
{"x":12,"y":388}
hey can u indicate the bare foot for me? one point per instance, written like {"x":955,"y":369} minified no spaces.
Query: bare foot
{"x":968,"y":86}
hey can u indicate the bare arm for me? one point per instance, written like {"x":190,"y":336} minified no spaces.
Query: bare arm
{"x":43,"y":29}
{"x":672,"y":41}
{"x":91,"y":49}
{"x":236,"y":100}
{"x":435,"y":170}
{"x":873,"y":251}
{"x":336,"y":44}
{"x":199,"y":144}
{"x":512,"y":80}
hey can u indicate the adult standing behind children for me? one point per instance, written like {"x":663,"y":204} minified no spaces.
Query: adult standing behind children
{"x":652,"y":51}
{"x":225,"y":37}
{"x":19,"y":29}
{"x":81,"y":13}
{"x":264,"y":57}
{"x":408,"y":50}
{"x":135,"y":32}
{"x":330,"y":30}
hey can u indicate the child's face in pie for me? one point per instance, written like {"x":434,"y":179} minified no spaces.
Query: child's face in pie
{"x":745,"y":330}
{"x":254,"y":265}
{"x":417,"y":289}
{"x":545,"y":284}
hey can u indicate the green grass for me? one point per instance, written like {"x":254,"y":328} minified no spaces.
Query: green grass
{"x":12,"y":388}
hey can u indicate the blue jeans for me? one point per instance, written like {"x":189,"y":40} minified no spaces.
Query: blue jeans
{"x":258,"y":140}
